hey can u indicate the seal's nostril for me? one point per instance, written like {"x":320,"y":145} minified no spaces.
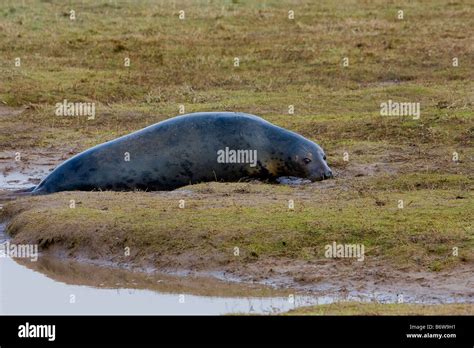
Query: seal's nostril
{"x":328,"y":175}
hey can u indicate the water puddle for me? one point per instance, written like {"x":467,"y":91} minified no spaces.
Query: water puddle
{"x":15,"y":181}
{"x":50,"y":286}
{"x":24,"y":172}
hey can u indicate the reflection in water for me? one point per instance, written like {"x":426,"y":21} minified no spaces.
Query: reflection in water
{"x":50,"y":286}
{"x":24,"y":291}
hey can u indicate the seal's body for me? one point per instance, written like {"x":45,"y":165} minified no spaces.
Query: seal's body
{"x":188,"y":149}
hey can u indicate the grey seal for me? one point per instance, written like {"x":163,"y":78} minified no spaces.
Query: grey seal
{"x":188,"y":149}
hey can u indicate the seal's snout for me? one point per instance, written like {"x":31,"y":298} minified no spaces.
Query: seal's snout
{"x":322,"y":175}
{"x":328,"y":174}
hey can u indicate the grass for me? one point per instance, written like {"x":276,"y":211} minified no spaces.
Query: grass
{"x":190,"y":62}
{"x":282,"y":62}
{"x":357,"y":308}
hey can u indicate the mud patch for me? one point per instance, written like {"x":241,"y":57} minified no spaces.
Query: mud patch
{"x":24,"y":169}
{"x":7,"y":111}
{"x":349,"y":279}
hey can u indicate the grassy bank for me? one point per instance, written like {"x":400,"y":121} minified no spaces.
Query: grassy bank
{"x":218,"y":217}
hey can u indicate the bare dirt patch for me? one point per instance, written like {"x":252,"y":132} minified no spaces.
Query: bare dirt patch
{"x":7,"y":111}
{"x":382,"y":281}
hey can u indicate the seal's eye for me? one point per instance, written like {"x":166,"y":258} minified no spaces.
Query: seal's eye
{"x":324,"y":157}
{"x":306,"y":160}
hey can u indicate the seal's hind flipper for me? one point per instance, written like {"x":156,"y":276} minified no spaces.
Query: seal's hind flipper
{"x":9,"y":195}
{"x":29,"y":189}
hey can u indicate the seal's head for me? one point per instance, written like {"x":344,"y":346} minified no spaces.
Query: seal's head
{"x":309,"y":161}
